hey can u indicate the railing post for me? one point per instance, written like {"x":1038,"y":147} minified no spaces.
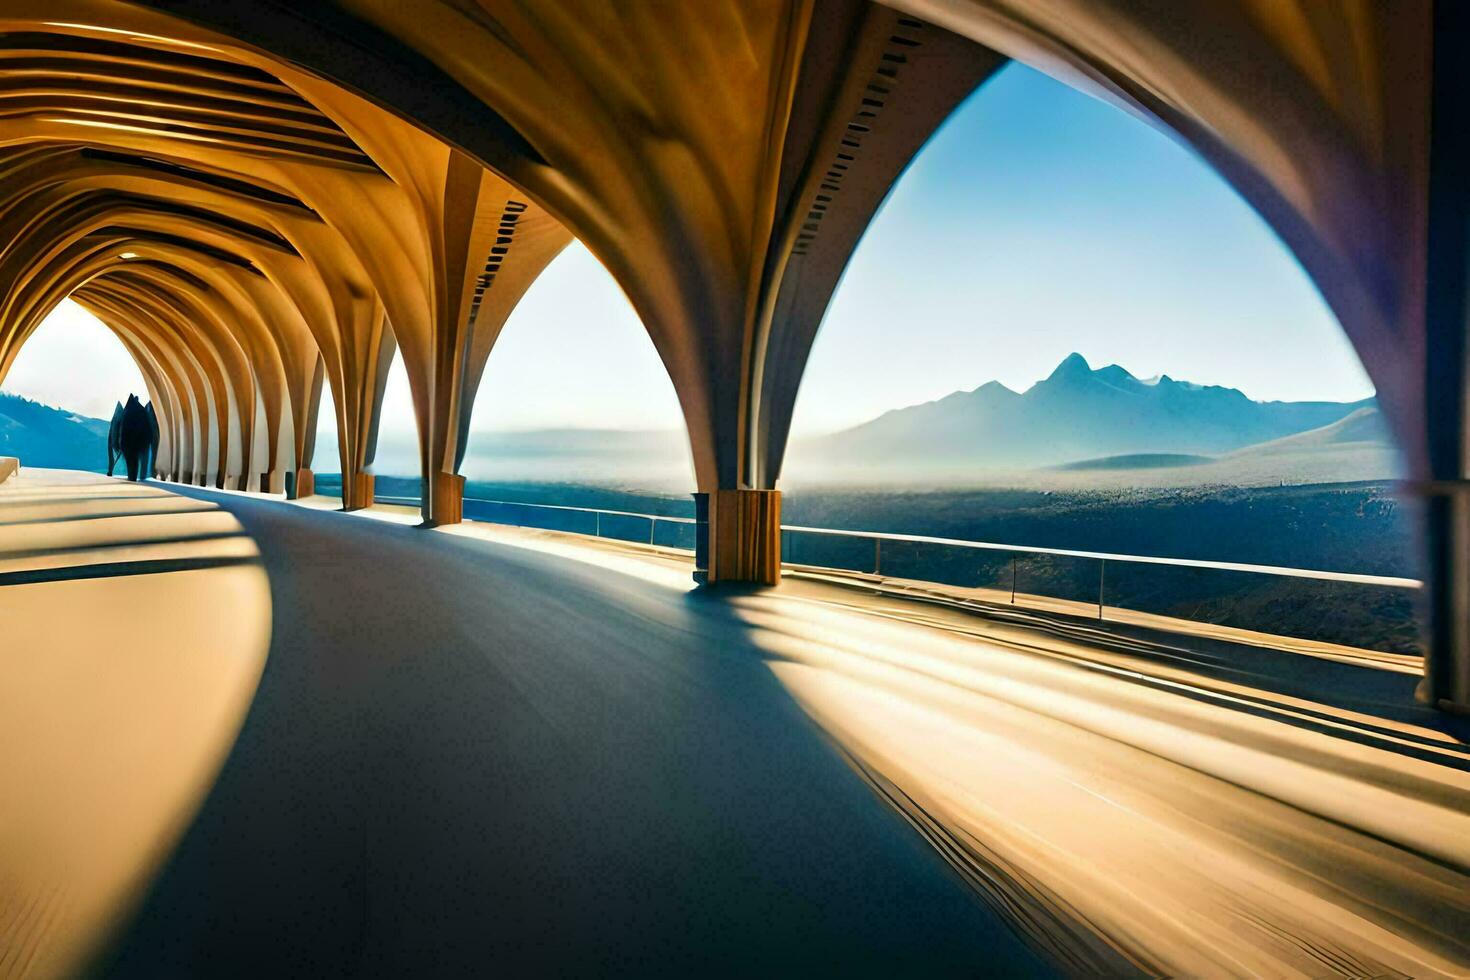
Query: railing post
{"x":784,"y":538}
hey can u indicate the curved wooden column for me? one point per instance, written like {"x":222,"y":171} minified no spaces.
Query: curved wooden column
{"x":738,"y":537}
{"x":684,"y":225}
{"x":1445,"y":497}
{"x":494,"y":243}
{"x":176,"y":176}
{"x":450,"y":247}
{"x":359,"y":409}
{"x":874,"y":85}
{"x":710,"y":236}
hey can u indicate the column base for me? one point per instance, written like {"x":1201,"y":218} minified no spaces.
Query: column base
{"x":444,"y":499}
{"x":738,"y":537}
{"x":300,"y":484}
{"x":357,"y":491}
{"x":1446,"y":684}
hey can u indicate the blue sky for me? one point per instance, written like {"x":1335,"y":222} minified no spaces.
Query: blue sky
{"x":1038,"y":221}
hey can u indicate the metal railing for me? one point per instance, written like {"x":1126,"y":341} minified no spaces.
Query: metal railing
{"x":475,"y":508}
{"x":678,"y":532}
{"x":1019,"y":553}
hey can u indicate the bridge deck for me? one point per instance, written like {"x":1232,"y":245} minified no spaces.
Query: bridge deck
{"x":483,"y":747}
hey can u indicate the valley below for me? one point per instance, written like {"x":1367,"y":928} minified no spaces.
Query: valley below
{"x":1360,"y":527}
{"x":1091,"y":460}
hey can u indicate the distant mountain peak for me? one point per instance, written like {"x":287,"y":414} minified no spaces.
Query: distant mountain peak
{"x":993,"y":389}
{"x":45,"y":436}
{"x":1116,"y":374}
{"x":1074,"y":365}
{"x":1074,"y":373}
{"x":1078,"y":413}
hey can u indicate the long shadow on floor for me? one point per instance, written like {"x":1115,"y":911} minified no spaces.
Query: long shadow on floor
{"x":1262,"y":677}
{"x":465,"y":759}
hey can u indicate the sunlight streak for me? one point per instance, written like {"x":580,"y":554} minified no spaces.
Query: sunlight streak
{"x":1111,"y":818}
{"x":119,"y":700}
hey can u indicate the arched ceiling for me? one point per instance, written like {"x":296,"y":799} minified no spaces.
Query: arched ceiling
{"x":52,"y":80}
{"x":656,"y":132}
{"x":247,"y":231}
{"x":261,"y":195}
{"x":289,"y":178}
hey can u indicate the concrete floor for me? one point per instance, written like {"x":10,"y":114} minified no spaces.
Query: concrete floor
{"x":468,"y":760}
{"x":481,"y":750}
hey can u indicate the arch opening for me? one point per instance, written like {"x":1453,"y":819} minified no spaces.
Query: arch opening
{"x":355,"y":216}
{"x":59,"y":418}
{"x":393,"y":455}
{"x":1064,"y":330}
{"x":575,"y":409}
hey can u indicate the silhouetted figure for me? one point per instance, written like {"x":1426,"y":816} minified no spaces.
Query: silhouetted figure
{"x":113,"y":449}
{"x":153,"y":441}
{"x":135,"y":436}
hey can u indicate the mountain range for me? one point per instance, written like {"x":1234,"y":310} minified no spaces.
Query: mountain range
{"x":44,"y":436}
{"x":1077,"y":427}
{"x":1080,"y":418}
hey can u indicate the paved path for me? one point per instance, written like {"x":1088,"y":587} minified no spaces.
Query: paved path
{"x":484,"y":751}
{"x":473,"y":760}
{"x":134,"y":625}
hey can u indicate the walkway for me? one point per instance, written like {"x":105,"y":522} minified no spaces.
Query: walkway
{"x":467,"y":760}
{"x":484,"y":750}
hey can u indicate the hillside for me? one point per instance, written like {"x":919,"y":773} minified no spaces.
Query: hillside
{"x":649,"y":458}
{"x":44,"y":436}
{"x":1082,"y":419}
{"x":1353,"y":527}
{"x":1363,"y":426}
{"x":1077,"y":428}
{"x":1138,"y":461}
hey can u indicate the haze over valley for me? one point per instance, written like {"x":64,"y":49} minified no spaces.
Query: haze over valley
{"x":1077,"y":428}
{"x":1086,"y":459}
{"x":1104,"y":427}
